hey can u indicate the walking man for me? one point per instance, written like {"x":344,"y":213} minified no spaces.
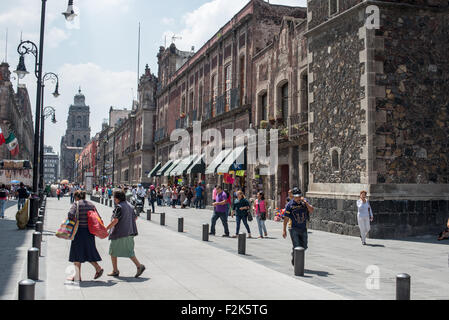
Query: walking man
{"x":297,"y":211}
{"x":23,"y":196}
{"x":3,"y":199}
{"x":198,"y":197}
{"x":220,"y":211}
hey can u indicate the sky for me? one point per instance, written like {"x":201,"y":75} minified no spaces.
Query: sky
{"x":98,"y":51}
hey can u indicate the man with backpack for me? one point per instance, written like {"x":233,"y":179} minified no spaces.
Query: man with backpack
{"x":3,"y":199}
{"x":23,"y":195}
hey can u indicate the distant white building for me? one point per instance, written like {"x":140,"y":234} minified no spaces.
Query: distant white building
{"x":51,"y":165}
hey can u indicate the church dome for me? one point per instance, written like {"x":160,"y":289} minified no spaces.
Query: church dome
{"x":80,"y":99}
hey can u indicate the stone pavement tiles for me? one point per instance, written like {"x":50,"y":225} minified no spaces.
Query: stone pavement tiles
{"x":14,"y":244}
{"x":178,"y":268}
{"x":334,"y":262}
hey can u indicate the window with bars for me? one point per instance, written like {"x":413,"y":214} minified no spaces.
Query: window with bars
{"x":228,"y":84}
{"x":263,"y":106}
{"x":214,"y":91}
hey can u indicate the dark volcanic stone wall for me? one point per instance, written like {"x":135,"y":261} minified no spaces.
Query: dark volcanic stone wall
{"x":336,"y":105}
{"x":320,"y":10}
{"x":416,"y":78}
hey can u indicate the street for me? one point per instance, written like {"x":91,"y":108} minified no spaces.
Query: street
{"x":181,"y":266}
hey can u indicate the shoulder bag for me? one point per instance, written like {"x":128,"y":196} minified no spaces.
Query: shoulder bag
{"x":68,"y":229}
{"x":250,"y":216}
{"x":96,"y":225}
{"x":263,"y":215}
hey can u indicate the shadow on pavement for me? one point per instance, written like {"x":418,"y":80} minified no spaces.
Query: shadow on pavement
{"x":93,"y":284}
{"x":132,"y":279}
{"x":318,"y":273}
{"x":375,"y":245}
{"x":11,"y":239}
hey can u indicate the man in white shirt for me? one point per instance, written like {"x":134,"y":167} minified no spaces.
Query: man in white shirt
{"x":141,"y":193}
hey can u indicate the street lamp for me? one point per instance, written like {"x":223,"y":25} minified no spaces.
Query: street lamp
{"x":70,"y":13}
{"x":27,"y":47}
{"x":46,"y":113}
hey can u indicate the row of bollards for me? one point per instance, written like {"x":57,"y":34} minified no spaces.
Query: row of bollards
{"x":27,"y":287}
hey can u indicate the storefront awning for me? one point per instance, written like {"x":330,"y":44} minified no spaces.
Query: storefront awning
{"x":173,"y":166}
{"x":235,"y":161}
{"x":164,"y":168}
{"x":217,"y":161}
{"x":155,"y":170}
{"x":183,"y":166}
{"x":198,"y":166}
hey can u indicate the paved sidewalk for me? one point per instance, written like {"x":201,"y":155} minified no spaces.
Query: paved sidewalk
{"x":334,"y":262}
{"x":178,"y":267}
{"x":14,"y":244}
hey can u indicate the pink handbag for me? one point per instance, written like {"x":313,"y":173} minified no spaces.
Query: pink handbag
{"x":96,"y":225}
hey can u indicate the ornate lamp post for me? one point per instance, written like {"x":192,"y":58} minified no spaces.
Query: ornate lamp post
{"x":24,"y":48}
{"x":46,"y":113}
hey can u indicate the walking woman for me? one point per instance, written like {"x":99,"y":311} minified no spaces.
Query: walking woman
{"x":260,"y":211}
{"x":174,"y":197}
{"x":364,"y":216}
{"x":241,"y":207}
{"x":83,"y":247}
{"x":124,"y":229}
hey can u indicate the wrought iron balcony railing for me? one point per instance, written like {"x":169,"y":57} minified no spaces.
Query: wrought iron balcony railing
{"x":298,"y":125}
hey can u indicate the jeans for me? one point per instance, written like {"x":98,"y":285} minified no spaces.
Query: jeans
{"x":224,"y":219}
{"x":261,"y":225}
{"x":72,"y":198}
{"x":2,"y":208}
{"x":243,"y":219}
{"x":21,"y":203}
{"x":299,"y":239}
{"x":197,"y":202}
{"x":152,"y":205}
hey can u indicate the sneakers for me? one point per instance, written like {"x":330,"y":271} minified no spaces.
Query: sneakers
{"x":140,"y":270}
{"x":211,"y":234}
{"x":225,"y":236}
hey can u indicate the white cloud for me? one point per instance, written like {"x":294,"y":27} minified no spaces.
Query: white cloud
{"x":55,"y":36}
{"x":202,"y":23}
{"x":168,"y":21}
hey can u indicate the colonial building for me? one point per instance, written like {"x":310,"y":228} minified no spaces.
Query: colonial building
{"x":15,"y":116}
{"x":133,"y":155}
{"x":51,"y":165}
{"x":358,"y":106}
{"x":214,"y":86}
{"x":77,"y":135}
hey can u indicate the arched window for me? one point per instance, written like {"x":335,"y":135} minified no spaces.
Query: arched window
{"x":79,"y":121}
{"x":335,"y":159}
{"x":78,"y":143}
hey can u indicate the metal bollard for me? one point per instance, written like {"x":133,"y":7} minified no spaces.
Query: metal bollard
{"x":39,"y":226}
{"x":37,"y":240}
{"x":33,"y":264}
{"x":27,"y":289}
{"x":242,"y":243}
{"x":403,"y":284}
{"x":181,"y":225}
{"x":205,"y":232}
{"x":149,"y":215}
{"x":110,"y":203}
{"x":299,"y":261}
{"x":40,"y":218}
{"x":163,"y":219}
{"x":102,"y":201}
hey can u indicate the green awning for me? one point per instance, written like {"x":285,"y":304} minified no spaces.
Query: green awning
{"x":198,"y":166}
{"x":217,"y":161}
{"x":174,"y":165}
{"x":164,"y":168}
{"x":183,"y":166}
{"x":234,"y":162}
{"x":155,"y":170}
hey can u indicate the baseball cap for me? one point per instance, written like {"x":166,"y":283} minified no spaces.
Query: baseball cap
{"x":297,"y":192}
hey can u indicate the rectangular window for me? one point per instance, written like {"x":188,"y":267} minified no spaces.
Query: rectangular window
{"x":284,"y":102}
{"x":333,"y":7}
{"x":263,"y":106}
{"x":227,"y":73}
{"x":200,"y":101}
{"x":214,"y":86}
{"x":242,"y":78}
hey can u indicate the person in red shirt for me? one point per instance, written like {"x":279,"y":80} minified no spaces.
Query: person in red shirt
{"x":4,"y":193}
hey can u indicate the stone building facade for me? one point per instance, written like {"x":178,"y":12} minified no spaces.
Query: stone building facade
{"x":215,"y":86}
{"x":77,"y":136}
{"x":15,"y":116}
{"x":378,"y":115}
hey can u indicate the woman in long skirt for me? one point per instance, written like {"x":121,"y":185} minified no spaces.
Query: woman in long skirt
{"x":83,"y":247}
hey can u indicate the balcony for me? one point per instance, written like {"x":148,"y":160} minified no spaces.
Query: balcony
{"x":182,"y":123}
{"x":235,"y":98}
{"x":207,"y":110}
{"x":298,"y":126}
{"x":220,"y":105}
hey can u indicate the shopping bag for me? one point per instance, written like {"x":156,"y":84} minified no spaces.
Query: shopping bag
{"x":96,"y":225}
{"x":69,"y":227}
{"x":22,"y":217}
